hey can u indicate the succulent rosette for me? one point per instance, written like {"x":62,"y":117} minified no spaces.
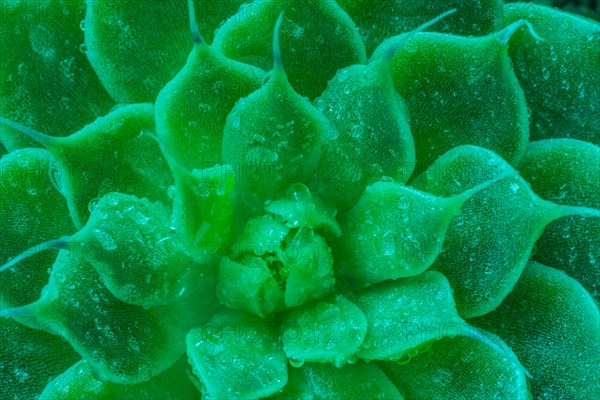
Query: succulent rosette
{"x":299,"y":199}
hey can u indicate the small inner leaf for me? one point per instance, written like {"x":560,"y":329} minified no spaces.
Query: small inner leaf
{"x":236,"y":356}
{"x":329,"y":331}
{"x":422,"y":308}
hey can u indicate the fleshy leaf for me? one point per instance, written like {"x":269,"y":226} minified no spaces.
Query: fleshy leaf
{"x":296,"y":388}
{"x":32,"y":211}
{"x":302,"y":208}
{"x":451,"y":101}
{"x":370,"y":135}
{"x":378,"y":20}
{"x":394,"y":231}
{"x":249,"y":286}
{"x":329,"y":331}
{"x":122,"y":343}
{"x":115,"y":153}
{"x":273,"y":267}
{"x":236,"y":356}
{"x":422,"y":308}
{"x":559,"y":75}
{"x":567,"y":171}
{"x":489,"y":243}
{"x":139,"y":257}
{"x":460,"y":368}
{"x":47,"y":82}
{"x":192,"y":108}
{"x":352,"y":381}
{"x":30,"y":358}
{"x":79,"y":383}
{"x":155,"y":32}
{"x":310,"y":29}
{"x":274,"y":137}
{"x":203,"y":209}
{"x":553,"y":325}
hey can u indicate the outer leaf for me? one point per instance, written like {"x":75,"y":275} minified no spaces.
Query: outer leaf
{"x":47,"y":83}
{"x":553,"y":326}
{"x":310,"y":29}
{"x":32,"y":211}
{"x":156,"y":32}
{"x":451,"y":101}
{"x":461,"y":368}
{"x":567,"y":171}
{"x":378,"y":20}
{"x":29,"y":359}
{"x":79,"y":383}
{"x":559,"y":75}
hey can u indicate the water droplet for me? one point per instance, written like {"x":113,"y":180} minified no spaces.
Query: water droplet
{"x":299,"y":192}
{"x":56,"y":176}
{"x":235,"y":120}
{"x":105,"y":239}
{"x":357,"y":131}
{"x":405,"y":359}
{"x":60,"y":277}
{"x":403,"y":202}
{"x":83,"y":48}
{"x":21,"y":375}
{"x":92,"y":204}
{"x":172,"y":191}
{"x":82,"y":25}
{"x":204,"y":107}
{"x":202,"y":191}
{"x":296,"y":363}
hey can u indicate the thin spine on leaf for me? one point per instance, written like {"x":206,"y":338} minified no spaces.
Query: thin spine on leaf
{"x":45,"y":140}
{"x":28,"y":310}
{"x":463,"y":197}
{"x":555,"y":211}
{"x":504,"y":36}
{"x":60,"y":243}
{"x":196,"y":36}
{"x":277,"y":61}
{"x":389,"y":54}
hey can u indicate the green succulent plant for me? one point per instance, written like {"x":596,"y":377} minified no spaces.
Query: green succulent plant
{"x":299,"y":199}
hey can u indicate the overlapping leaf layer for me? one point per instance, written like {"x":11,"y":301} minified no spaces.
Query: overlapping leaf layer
{"x":323,"y":202}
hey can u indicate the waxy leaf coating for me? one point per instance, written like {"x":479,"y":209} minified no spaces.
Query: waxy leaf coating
{"x":562,"y":87}
{"x":310,"y":29}
{"x":423,"y":310}
{"x":47,"y":83}
{"x":453,"y":100}
{"x":378,"y":20}
{"x":551,"y":323}
{"x":32,"y":211}
{"x":460,"y":368}
{"x":30,"y":358}
{"x":567,"y":171}
{"x":236,"y":357}
{"x":78,"y":382}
